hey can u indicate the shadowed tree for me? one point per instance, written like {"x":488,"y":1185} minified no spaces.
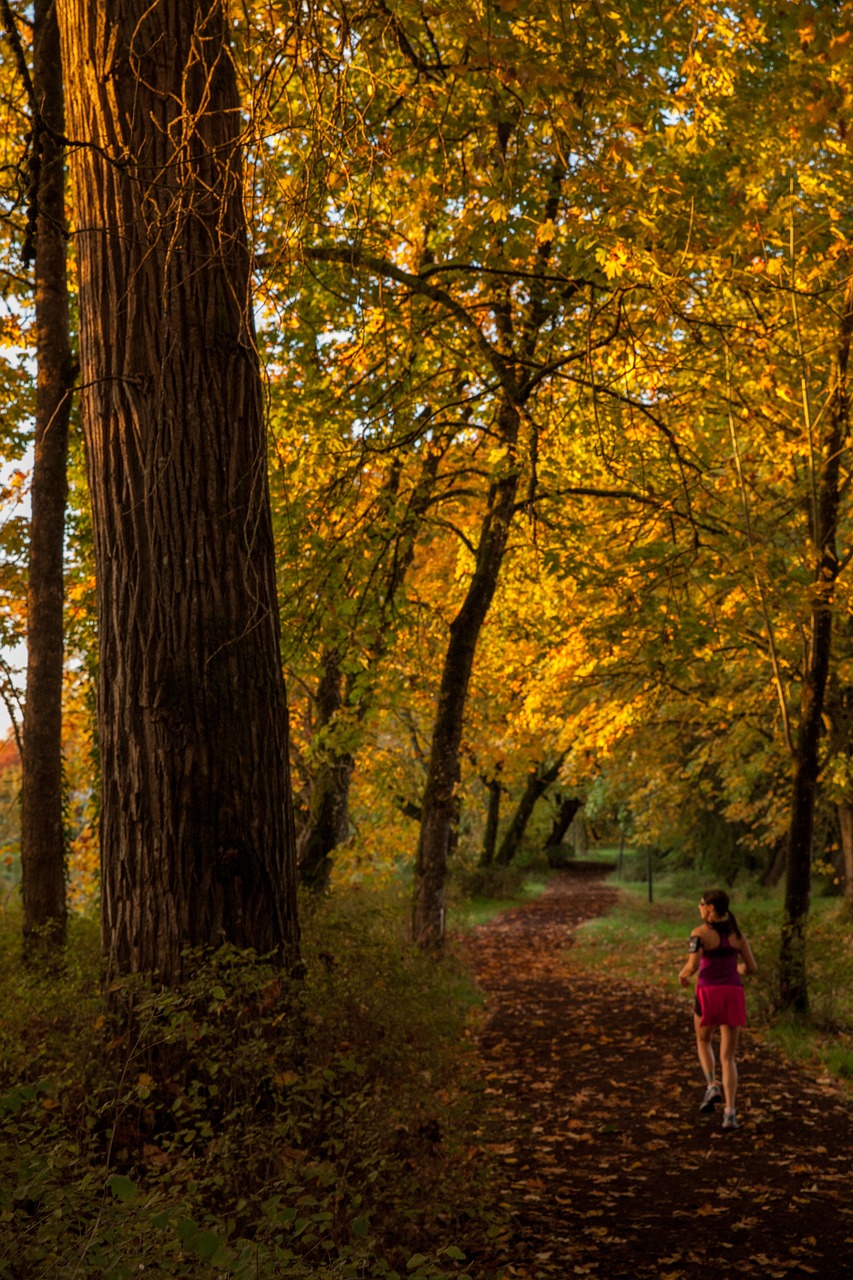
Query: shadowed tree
{"x":197,"y":843}
{"x":42,"y":838}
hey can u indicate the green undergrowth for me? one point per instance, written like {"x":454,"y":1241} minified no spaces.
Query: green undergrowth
{"x":247,"y":1126}
{"x":478,"y":894}
{"x":646,"y":942}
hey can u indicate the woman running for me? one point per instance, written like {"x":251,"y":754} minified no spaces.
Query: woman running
{"x":722,"y":955}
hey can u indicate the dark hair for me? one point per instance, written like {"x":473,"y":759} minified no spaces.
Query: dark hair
{"x":719,"y":900}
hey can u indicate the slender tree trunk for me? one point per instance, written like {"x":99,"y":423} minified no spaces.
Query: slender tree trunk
{"x":845,"y":824}
{"x":562,"y":821}
{"x":493,"y":813}
{"x":516,"y":347}
{"x":42,"y":836}
{"x":439,"y":807}
{"x":538,"y":782}
{"x":776,"y":864}
{"x":327,"y":822}
{"x":793,"y":986}
{"x":197,"y":840}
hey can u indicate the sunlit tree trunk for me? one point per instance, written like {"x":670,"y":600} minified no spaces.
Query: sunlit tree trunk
{"x":793,"y":986}
{"x":42,"y":838}
{"x":197,"y":840}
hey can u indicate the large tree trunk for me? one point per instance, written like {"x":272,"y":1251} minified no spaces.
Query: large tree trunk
{"x":538,"y":782}
{"x":197,"y":841}
{"x":439,"y":802}
{"x":42,"y":836}
{"x":793,"y":987}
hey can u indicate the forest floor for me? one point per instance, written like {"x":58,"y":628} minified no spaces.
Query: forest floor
{"x":606,"y":1166}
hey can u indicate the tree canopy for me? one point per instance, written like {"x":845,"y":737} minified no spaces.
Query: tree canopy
{"x":552,"y":307}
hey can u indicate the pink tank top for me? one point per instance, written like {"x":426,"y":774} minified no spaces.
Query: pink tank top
{"x":718,"y":968}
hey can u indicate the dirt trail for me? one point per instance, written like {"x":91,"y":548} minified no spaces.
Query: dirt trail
{"x":608,"y":1166}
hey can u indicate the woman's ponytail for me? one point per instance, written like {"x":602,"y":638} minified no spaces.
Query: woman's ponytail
{"x":719,"y":900}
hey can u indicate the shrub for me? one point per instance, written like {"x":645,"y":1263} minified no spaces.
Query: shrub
{"x":248,"y":1125}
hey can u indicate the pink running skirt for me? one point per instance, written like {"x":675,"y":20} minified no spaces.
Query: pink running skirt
{"x":722,"y":1006}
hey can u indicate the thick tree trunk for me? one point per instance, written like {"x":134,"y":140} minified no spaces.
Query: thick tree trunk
{"x":42,"y":836}
{"x":493,"y":814}
{"x":563,"y":819}
{"x":793,"y":986}
{"x":197,"y":840}
{"x":538,"y":782}
{"x":327,"y":822}
{"x":439,"y":804}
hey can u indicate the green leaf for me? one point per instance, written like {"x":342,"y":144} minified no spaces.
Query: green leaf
{"x":122,"y":1188}
{"x":416,"y":1260}
{"x":360,"y":1226}
{"x":205,"y":1244}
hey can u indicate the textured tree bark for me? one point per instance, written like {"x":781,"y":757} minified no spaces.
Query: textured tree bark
{"x":439,"y":802}
{"x":197,"y":839}
{"x":793,"y":984}
{"x":538,"y":782}
{"x":42,"y":836}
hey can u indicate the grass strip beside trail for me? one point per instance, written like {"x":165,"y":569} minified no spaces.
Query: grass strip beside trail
{"x":478,"y":895}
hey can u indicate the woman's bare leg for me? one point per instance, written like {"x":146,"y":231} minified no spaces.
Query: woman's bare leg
{"x":705,"y":1050}
{"x":728,"y":1065}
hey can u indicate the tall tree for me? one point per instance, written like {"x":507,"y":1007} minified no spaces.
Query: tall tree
{"x":42,"y":836}
{"x":197,"y":842}
{"x":832,"y":445}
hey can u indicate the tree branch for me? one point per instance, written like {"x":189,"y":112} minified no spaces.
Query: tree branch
{"x":349,"y":255}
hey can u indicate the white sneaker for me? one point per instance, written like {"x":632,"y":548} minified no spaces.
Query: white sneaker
{"x":713,"y":1095}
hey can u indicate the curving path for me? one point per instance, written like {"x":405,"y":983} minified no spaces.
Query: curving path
{"x":606,"y":1163}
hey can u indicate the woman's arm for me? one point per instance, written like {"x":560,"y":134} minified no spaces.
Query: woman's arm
{"x":746,"y":964}
{"x":691,"y":964}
